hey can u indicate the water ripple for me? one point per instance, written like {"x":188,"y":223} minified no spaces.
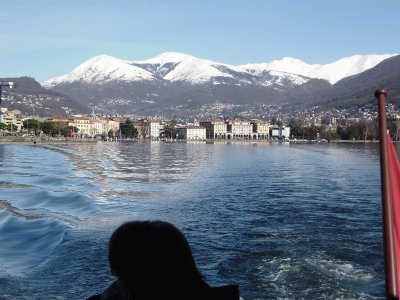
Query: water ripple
{"x":298,"y":221}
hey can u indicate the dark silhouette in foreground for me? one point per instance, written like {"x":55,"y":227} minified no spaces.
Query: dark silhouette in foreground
{"x":153,"y":260}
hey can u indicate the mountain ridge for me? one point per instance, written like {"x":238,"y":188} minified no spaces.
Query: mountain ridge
{"x":156,"y":86}
{"x":180,"y":67}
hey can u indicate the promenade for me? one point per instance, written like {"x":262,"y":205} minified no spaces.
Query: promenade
{"x":37,"y":140}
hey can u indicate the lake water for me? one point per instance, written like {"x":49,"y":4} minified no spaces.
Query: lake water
{"x":282,"y":221}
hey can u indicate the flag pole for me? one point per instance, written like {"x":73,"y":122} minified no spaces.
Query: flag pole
{"x":388,"y":232}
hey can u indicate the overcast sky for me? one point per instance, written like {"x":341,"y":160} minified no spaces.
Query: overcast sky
{"x":48,"y":38}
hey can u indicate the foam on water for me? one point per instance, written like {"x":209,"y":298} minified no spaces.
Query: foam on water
{"x":288,"y":276}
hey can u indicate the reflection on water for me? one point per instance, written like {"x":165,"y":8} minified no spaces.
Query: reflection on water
{"x":2,"y":149}
{"x":298,"y":221}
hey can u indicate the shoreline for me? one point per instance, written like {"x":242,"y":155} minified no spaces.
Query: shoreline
{"x":41,"y":140}
{"x":47,"y":140}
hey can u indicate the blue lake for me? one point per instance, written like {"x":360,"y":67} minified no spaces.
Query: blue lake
{"x":282,"y":221}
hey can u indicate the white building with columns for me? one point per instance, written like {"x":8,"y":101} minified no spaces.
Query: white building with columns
{"x":191,"y":133}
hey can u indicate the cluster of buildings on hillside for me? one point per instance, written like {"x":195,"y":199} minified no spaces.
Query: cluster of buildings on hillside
{"x":92,"y":125}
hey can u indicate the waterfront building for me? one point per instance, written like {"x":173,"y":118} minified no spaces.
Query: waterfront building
{"x":97,"y":128}
{"x":11,"y":118}
{"x":143,"y":129}
{"x":108,"y":124}
{"x":260,"y":129}
{"x":155,"y":130}
{"x":236,"y":129}
{"x":84,"y":125}
{"x":91,"y":126}
{"x":239,"y":129}
{"x":277,"y":132}
{"x":148,"y":129}
{"x":215,"y":129}
{"x":285,"y":132}
{"x":191,"y":132}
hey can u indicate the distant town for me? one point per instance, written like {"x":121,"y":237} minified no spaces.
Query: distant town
{"x":314,"y":124}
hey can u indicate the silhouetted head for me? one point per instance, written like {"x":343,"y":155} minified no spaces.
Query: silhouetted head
{"x":153,"y":256}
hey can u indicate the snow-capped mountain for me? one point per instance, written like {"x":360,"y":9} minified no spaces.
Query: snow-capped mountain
{"x":172,"y":81}
{"x":179,"y":67}
{"x":168,"y":66}
{"x":102,"y":68}
{"x":172,"y":66}
{"x":332,"y":72}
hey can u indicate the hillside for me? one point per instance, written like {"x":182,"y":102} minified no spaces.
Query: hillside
{"x":359,"y":89}
{"x":31,"y":98}
{"x":179,"y":84}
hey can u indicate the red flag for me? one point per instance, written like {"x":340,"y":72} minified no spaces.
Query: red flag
{"x":394,"y":179}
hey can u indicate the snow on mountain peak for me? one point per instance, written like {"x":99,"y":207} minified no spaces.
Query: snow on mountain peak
{"x":102,"y":68}
{"x":287,"y":65}
{"x":288,"y":62}
{"x":166,"y":57}
{"x":332,"y":72}
{"x":183,"y":67}
{"x":348,"y":66}
{"x":175,"y":66}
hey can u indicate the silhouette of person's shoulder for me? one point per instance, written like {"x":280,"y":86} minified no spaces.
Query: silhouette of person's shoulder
{"x":229,"y":292}
{"x":111,"y":293}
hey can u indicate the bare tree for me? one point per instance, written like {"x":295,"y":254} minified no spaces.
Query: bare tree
{"x":144,"y":131}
